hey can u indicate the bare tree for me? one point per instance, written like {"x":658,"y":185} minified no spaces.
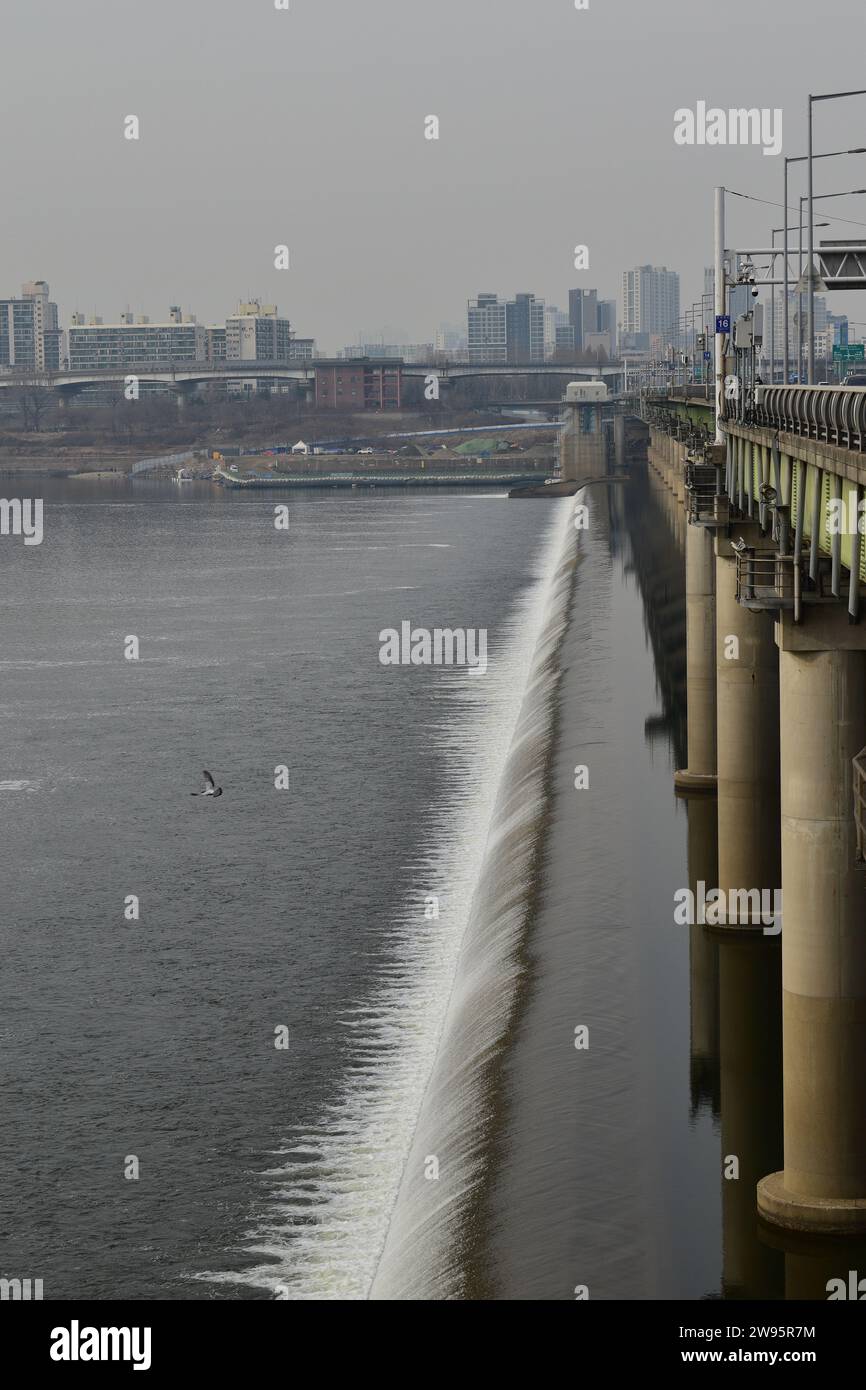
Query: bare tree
{"x":31,"y":395}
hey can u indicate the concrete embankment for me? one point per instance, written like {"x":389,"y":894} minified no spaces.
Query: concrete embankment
{"x":563,"y":489}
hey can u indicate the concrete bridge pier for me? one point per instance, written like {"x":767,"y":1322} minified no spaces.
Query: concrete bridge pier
{"x":747,"y":688}
{"x":700,"y":775}
{"x":822,"y":1187}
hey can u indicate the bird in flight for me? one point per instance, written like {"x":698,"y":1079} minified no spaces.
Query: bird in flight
{"x":210,"y":789}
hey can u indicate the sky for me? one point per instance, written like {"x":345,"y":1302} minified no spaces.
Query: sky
{"x":262,"y":127}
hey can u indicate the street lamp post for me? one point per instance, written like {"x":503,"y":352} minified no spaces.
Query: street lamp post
{"x":706,"y":320}
{"x":786,"y":365}
{"x":810,"y":354}
{"x":719,"y":291}
{"x":826,"y":96}
{"x":773,"y":310}
{"x":774,"y":233}
{"x":800,"y":159}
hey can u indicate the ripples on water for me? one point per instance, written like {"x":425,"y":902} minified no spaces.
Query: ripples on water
{"x":262,"y":1173}
{"x":416,"y":1091}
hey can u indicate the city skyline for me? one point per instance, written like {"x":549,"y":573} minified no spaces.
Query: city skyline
{"x":383,"y":225}
{"x":647,"y":320}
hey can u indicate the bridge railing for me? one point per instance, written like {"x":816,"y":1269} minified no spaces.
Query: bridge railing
{"x":860,"y":804}
{"x":828,"y":414}
{"x":702,"y":489}
{"x":767,"y":580}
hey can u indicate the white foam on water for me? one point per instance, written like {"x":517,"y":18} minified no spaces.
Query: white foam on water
{"x":353,"y":1215}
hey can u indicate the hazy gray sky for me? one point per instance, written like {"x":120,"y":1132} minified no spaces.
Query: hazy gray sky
{"x":261,"y":127}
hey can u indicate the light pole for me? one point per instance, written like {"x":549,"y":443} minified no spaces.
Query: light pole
{"x":719,"y":290}
{"x":773,"y":232}
{"x":810,"y":355}
{"x":800,"y":296}
{"x":706,"y":319}
{"x":825,"y":96}
{"x":800,"y":159}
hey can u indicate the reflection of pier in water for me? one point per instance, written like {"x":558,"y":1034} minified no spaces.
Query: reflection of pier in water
{"x":637,"y":1174}
{"x":735,"y":974}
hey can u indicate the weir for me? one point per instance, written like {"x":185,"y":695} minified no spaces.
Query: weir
{"x":776,"y":700}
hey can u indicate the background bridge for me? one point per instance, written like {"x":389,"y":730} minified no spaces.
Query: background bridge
{"x":186,"y":376}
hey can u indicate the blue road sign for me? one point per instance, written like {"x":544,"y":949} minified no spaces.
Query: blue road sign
{"x":708,"y":357}
{"x":723,"y":323}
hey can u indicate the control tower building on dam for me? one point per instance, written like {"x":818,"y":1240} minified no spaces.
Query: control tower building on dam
{"x":583,"y":451}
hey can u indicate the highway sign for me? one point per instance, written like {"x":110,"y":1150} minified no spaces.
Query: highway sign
{"x":853,"y":352}
{"x":723,"y":323}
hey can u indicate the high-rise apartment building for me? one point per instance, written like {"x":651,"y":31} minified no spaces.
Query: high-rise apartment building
{"x":590,"y":316}
{"x":558,"y":332}
{"x":524,"y":319}
{"x":98,"y":345}
{"x":506,"y":330}
{"x":583,"y":314}
{"x":487,"y":329}
{"x":256,"y":333}
{"x":650,"y":303}
{"x":839,"y":325}
{"x":30,"y":336}
{"x":215,"y":343}
{"x":607,"y":318}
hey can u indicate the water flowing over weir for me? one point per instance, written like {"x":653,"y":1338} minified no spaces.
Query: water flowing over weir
{"x":423,"y":1253}
{"x":356,"y":1212}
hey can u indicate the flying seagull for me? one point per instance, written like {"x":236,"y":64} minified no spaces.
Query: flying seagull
{"x":211,"y":789}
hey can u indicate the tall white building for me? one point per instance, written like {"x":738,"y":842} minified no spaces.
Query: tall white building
{"x":30,"y":335}
{"x":256,"y":333}
{"x":487,"y":323}
{"x":650,"y":301}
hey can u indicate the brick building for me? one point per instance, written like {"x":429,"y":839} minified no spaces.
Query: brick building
{"x":359,"y":385}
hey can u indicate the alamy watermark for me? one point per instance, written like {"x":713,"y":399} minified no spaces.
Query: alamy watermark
{"x":854,"y":1288}
{"x":20,"y":1290}
{"x":736,"y":126}
{"x":438,"y":646}
{"x":718,"y":907}
{"x":77,"y":1343}
{"x":846,"y":518}
{"x":22,"y":517}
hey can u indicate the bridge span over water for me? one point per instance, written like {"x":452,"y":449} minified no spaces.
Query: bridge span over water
{"x":185,"y":377}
